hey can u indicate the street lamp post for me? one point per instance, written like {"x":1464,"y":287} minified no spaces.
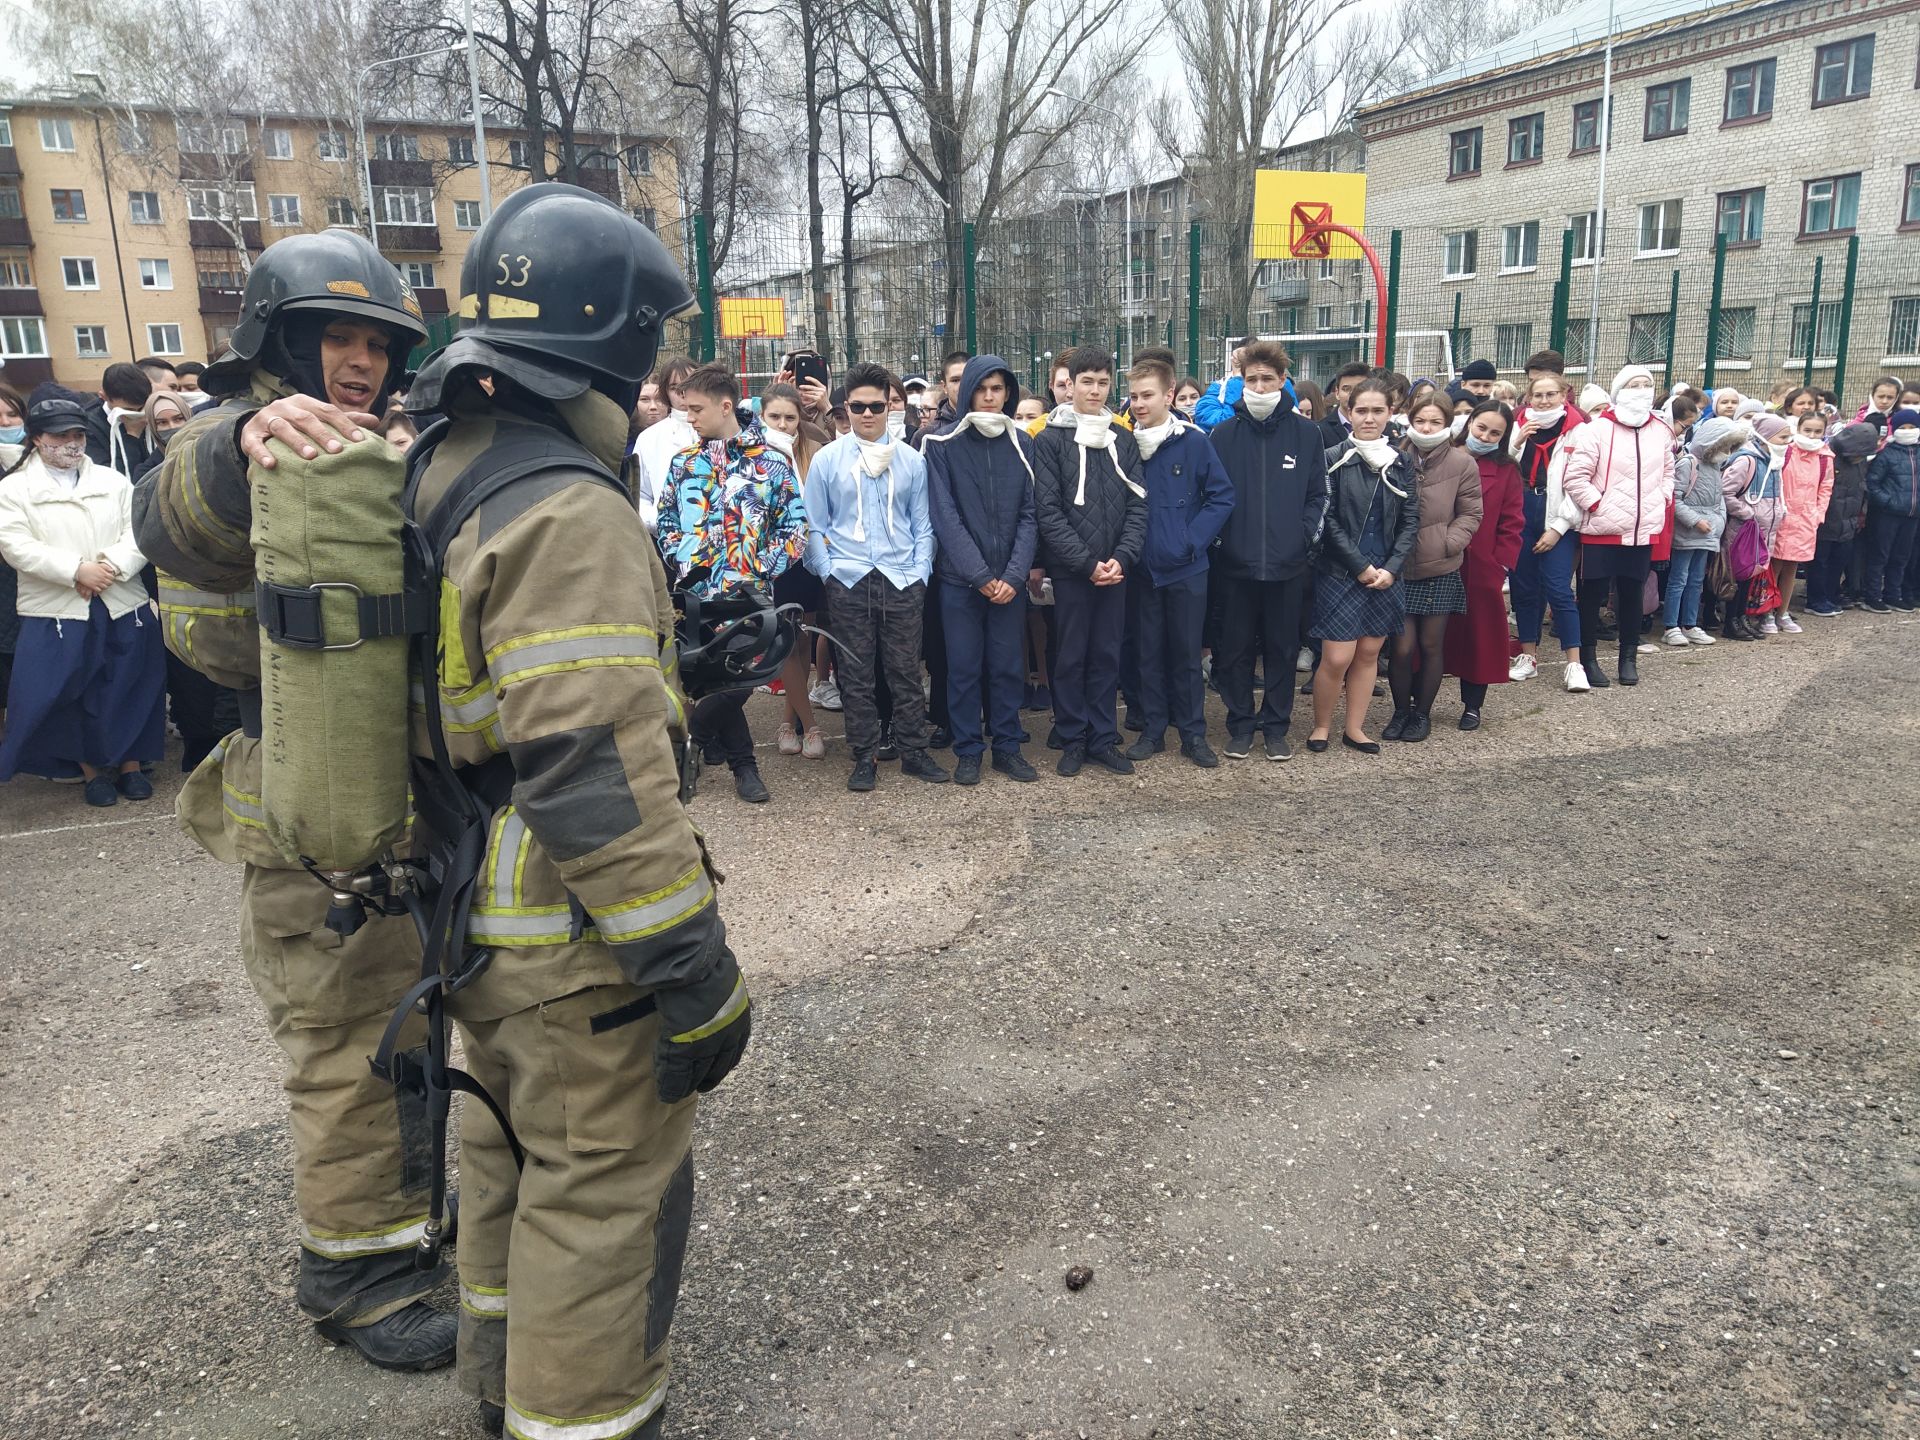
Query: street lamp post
{"x":360,"y":125}
{"x":479,"y":122}
{"x":1126,"y":250}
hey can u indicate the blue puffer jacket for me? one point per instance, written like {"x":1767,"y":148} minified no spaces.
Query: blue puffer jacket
{"x":980,"y":489}
{"x":1189,"y":498}
{"x":1893,"y":480}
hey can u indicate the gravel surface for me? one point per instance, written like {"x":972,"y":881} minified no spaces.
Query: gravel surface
{"x":1555,"y":1080}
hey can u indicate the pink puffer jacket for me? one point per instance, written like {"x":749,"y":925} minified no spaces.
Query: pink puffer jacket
{"x":1621,"y":478}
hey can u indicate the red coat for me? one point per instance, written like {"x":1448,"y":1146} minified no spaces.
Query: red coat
{"x":1477,"y":648}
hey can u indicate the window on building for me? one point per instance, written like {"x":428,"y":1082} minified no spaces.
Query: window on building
{"x":517,"y":154}
{"x":10,"y":206}
{"x":133,"y":132}
{"x":1589,"y":238}
{"x":16,"y":272}
{"x":1463,"y":252}
{"x":331,"y":145}
{"x":460,"y":149}
{"x":284,"y":210}
{"x":23,"y":339}
{"x":212,"y":137}
{"x":404,"y":204}
{"x":164,"y":340}
{"x":1586,"y":127}
{"x":70,"y":206}
{"x":1512,"y":344}
{"x":1739,"y":216}
{"x":1463,"y":152}
{"x":1830,"y":206}
{"x":1749,"y":92}
{"x":1356,"y":315}
{"x":1166,"y":289}
{"x":156,"y":274}
{"x":640,"y":160}
{"x":1166,"y":245}
{"x":647,"y":216}
{"x":219,"y":339}
{"x":277,"y":144}
{"x":418,"y":274}
{"x":222,"y":202}
{"x":466,"y":214}
{"x":340,"y":211}
{"x":221,"y":271}
{"x":1647,"y":338}
{"x":1735,"y":340}
{"x":6,"y":131}
{"x":78,"y":272}
{"x":1328,"y":268}
{"x":56,"y":134}
{"x":1910,"y":197}
{"x":1574,"y":352}
{"x":1667,"y":108}
{"x":1462,"y":342}
{"x":143,"y":207}
{"x":1660,"y":227}
{"x":1323,"y":317}
{"x":1520,"y":246}
{"x":1526,"y":139}
{"x":1841,"y":71}
{"x":1827,"y":342}
{"x":1166,"y":201}
{"x":396,"y":146}
{"x":1903,"y":325}
{"x":90,"y":342}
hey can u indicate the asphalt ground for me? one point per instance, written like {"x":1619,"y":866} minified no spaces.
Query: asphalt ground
{"x":1556,"y":1079}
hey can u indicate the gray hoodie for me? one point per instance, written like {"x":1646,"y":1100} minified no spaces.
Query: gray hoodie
{"x":1697,"y":494}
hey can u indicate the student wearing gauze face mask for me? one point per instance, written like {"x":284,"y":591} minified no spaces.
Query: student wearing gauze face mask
{"x":1806,"y":487}
{"x":124,"y":391}
{"x":1893,"y":513}
{"x":1619,"y":475}
{"x":87,"y":694}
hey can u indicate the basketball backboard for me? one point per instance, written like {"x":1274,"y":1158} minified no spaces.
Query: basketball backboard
{"x":745,"y":317}
{"x":1288,"y":203}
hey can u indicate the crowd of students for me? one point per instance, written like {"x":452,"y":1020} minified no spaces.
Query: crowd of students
{"x":977,"y":557}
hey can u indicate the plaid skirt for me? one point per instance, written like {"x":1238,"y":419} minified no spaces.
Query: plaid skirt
{"x":1344,"y":609}
{"x":1437,"y":595}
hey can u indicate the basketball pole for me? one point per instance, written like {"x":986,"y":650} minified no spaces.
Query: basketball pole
{"x":1318,"y":230}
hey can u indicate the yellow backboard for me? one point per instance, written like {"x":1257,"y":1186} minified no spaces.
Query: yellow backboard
{"x":1286,"y":202}
{"x":744,"y":317}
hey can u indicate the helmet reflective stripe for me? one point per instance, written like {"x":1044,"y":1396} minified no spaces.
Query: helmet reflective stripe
{"x":345,"y":1244}
{"x":489,"y":1302}
{"x":616,"y":1425}
{"x":547,"y":652}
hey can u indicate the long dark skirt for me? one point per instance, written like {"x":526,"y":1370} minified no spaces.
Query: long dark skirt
{"x":87,"y":691}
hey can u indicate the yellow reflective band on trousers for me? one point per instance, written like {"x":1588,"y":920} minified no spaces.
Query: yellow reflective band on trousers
{"x":522,"y":925}
{"x":579,"y":647}
{"x":489,"y":1302}
{"x":345,"y":1245}
{"x":523,"y":1425}
{"x":735,"y":1007}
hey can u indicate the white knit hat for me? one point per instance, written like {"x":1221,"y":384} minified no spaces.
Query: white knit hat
{"x":1592,"y":397}
{"x":1628,"y":373}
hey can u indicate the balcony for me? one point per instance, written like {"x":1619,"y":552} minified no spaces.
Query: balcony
{"x":601,"y":180}
{"x":24,"y":301}
{"x":219,"y":302}
{"x":9,"y":163}
{"x":410,"y":238}
{"x":212,"y":235}
{"x":1288,"y":290}
{"x":218,"y":169}
{"x":14,"y":231}
{"x":24,"y":373}
{"x":401,"y":172}
{"x":433,"y":303}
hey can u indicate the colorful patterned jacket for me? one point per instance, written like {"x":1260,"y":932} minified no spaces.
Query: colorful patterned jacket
{"x":731,"y":514}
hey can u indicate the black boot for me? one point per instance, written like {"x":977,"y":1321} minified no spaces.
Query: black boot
{"x":1590,"y":662}
{"x":416,"y":1338}
{"x":1629,"y":665}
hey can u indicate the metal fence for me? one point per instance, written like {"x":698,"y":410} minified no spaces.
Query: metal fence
{"x":1031,"y":287}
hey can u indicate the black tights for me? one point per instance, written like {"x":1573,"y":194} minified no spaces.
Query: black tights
{"x":1429,"y":632}
{"x":1626,"y":594}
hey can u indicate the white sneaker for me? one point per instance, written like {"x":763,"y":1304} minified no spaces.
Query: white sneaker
{"x":787,"y":742}
{"x":1524,"y":667}
{"x":826,"y":695}
{"x":1787,"y":627}
{"x":1303,"y":662}
{"x":1697,"y":636}
{"x":1576,"y":677}
{"x":1645,"y":649}
{"x":1676,"y":636}
{"x":1769,"y":626}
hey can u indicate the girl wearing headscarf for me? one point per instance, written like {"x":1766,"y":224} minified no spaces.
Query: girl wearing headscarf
{"x":1619,"y":475}
{"x":87,"y":696}
{"x":1750,"y":481}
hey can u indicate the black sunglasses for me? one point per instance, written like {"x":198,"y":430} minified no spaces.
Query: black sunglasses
{"x":866,"y":407}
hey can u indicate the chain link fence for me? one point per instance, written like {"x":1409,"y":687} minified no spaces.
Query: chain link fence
{"x":1031,"y":287}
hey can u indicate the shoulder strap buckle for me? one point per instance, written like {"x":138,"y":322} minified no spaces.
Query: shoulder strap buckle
{"x":292,"y":615}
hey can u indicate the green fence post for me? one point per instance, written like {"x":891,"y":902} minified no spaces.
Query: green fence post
{"x":1673,"y":325}
{"x":1562,"y":295}
{"x":703,"y":280}
{"x":1193,"y":299}
{"x":1393,"y":295}
{"x":1846,"y":316}
{"x":1118,"y":351}
{"x":1813,"y":322}
{"x":1713,"y":307}
{"x":972,"y":297}
{"x":1453,"y":333}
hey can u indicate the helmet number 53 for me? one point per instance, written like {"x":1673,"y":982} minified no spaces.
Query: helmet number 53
{"x":511,"y":276}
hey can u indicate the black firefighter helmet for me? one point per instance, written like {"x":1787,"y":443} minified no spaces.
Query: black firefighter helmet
{"x":732,"y":641}
{"x":334,"y":271}
{"x":562,"y":290}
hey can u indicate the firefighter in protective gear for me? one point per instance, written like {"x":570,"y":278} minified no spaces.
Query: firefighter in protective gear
{"x":326,"y":324}
{"x":610,"y":996}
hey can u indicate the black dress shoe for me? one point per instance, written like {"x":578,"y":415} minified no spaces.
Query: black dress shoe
{"x":1318,"y":747}
{"x":1110,"y":758}
{"x":1133,"y":722}
{"x":1397,"y":726}
{"x":1145,"y":749}
{"x":1365,"y":747}
{"x":1200,"y":753}
{"x":1470,"y":720}
{"x":1015,"y":766}
{"x":416,"y":1338}
{"x":1418,"y":728}
{"x":748,"y":785}
{"x":966,"y":770}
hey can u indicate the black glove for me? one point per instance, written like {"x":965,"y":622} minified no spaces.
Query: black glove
{"x":704,"y":1029}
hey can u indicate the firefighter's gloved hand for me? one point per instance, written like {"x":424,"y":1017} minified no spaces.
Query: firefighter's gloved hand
{"x":704,"y":1029}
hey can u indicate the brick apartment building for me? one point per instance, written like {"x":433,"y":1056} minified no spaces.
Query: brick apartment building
{"x":121,"y":238}
{"x":1791,"y":126}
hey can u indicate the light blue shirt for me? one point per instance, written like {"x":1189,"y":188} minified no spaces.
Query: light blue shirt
{"x":858,"y":523}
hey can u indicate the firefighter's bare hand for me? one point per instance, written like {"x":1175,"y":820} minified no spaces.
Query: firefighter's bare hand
{"x":304,"y":425}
